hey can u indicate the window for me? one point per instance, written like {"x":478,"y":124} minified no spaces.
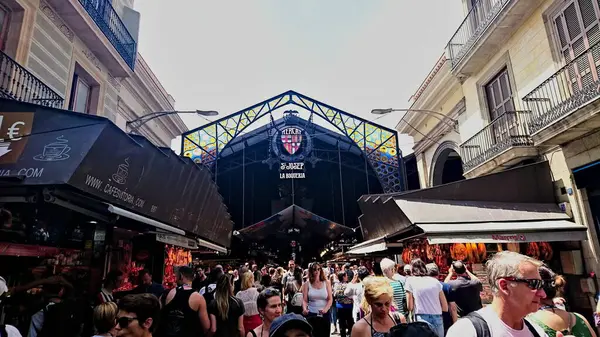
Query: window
{"x":499,"y":95}
{"x":4,"y":22}
{"x":577,"y":28}
{"x":80,"y":95}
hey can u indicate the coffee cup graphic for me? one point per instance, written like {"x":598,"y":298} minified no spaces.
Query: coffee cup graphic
{"x":120,"y":177}
{"x":55,"y":151}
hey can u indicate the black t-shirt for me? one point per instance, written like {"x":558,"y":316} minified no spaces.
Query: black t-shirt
{"x":466,"y":295}
{"x":229,"y":327}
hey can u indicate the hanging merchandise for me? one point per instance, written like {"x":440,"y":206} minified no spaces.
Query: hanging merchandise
{"x":513,"y":247}
{"x":174,"y":257}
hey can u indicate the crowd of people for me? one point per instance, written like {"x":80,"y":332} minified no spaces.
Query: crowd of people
{"x":348,"y":300}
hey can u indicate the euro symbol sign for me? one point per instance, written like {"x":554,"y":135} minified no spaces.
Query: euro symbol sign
{"x":14,"y":131}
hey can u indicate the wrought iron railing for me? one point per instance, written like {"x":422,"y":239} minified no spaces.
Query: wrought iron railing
{"x":19,"y":84}
{"x":479,"y":18}
{"x":566,"y":90}
{"x":109,"y":22}
{"x":508,"y":130}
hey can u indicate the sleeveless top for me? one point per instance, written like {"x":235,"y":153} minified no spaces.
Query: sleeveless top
{"x":249,"y":297}
{"x":580,"y":329}
{"x":177,"y":318}
{"x":317,"y":298}
{"x":377,"y":333}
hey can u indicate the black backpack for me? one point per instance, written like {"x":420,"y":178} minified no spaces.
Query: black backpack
{"x":483,"y":330}
{"x":62,"y":319}
{"x":414,"y":329}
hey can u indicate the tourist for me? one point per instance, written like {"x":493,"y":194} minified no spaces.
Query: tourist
{"x":551,"y":318}
{"x":397,"y":282}
{"x":184,"y":311}
{"x":517,"y":288}
{"x":466,"y":289}
{"x":377,"y":302}
{"x":270,"y":307}
{"x":317,"y":300}
{"x":248,"y":295}
{"x":425,"y":297}
{"x":343,"y":304}
{"x":355,"y":290}
{"x":226,"y":311}
{"x":105,"y":316}
{"x":138,"y":315}
{"x":291,"y":325}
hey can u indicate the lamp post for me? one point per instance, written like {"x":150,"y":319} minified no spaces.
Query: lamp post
{"x":440,"y":116}
{"x":138,"y":122}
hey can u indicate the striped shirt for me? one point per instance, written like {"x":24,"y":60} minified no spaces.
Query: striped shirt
{"x":105,"y":296}
{"x":399,"y":296}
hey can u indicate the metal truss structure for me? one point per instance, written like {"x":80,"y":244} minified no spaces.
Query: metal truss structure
{"x":379,"y":144}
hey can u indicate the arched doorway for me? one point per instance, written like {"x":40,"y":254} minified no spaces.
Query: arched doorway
{"x":447,"y":164}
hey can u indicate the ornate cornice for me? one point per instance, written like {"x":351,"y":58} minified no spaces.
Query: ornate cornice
{"x":92,"y":58}
{"x":56,"y":20}
{"x":439,"y":64}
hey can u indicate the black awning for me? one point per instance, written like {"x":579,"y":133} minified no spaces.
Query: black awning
{"x":90,"y":153}
{"x":291,"y":218}
{"x":520,"y":194}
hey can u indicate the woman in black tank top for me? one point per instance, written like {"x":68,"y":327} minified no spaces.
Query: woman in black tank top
{"x":377,"y":301}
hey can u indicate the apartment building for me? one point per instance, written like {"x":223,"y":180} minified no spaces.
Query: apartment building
{"x":518,"y":83}
{"x":82,"y":55}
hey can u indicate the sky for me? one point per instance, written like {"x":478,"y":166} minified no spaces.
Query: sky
{"x":355,"y":55}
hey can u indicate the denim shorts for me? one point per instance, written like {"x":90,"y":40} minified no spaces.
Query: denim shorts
{"x":436,"y":322}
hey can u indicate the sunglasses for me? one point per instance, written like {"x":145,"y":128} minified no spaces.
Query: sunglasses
{"x":124,"y":322}
{"x":271,"y":292}
{"x":533,"y":283}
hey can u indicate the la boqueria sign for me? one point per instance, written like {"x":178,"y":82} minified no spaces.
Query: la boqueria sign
{"x":46,"y":146}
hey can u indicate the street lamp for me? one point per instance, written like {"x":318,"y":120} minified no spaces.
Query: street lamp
{"x":440,"y":116}
{"x":138,"y":122}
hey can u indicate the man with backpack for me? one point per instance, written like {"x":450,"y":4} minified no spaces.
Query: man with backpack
{"x":59,"y":317}
{"x":184,"y":311}
{"x":518,"y":289}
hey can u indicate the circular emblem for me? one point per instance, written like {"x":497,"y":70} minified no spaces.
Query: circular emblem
{"x":291,"y":143}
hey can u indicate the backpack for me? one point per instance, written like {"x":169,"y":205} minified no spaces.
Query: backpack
{"x":483,"y":330}
{"x":3,"y":332}
{"x":297,"y":300}
{"x":209,"y":294}
{"x":421,"y":329}
{"x":61,"y":319}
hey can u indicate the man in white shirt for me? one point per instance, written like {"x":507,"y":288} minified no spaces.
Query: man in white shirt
{"x":517,"y":288}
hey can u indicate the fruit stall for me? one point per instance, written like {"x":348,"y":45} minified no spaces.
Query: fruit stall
{"x":474,"y":255}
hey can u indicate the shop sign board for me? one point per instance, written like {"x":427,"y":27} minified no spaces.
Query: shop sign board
{"x":15,"y":129}
{"x":509,"y":237}
{"x":292,"y":145}
{"x":177,"y":240}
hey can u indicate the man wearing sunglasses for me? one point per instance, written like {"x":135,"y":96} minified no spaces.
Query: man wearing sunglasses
{"x":138,"y":315}
{"x":517,"y":288}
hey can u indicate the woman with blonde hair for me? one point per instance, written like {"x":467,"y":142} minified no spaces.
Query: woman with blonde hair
{"x":105,"y":319}
{"x":552,"y":318}
{"x":376,"y":303}
{"x":226,"y":311}
{"x":248,"y":296}
{"x":317,"y":299}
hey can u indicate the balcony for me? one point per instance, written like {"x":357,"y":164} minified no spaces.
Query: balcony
{"x":566,"y":105}
{"x":19,"y":84}
{"x":486,"y":28}
{"x":503,"y":142}
{"x":99,"y":26}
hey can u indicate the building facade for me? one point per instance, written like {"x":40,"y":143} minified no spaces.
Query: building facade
{"x":82,"y":55}
{"x":519,"y":82}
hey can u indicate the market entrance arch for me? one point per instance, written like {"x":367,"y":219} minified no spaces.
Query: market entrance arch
{"x":447,"y":164}
{"x":276,"y":212}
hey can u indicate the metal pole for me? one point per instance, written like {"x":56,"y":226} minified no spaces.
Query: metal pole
{"x":243,"y":184}
{"x":367,"y":174}
{"x":341,"y":183}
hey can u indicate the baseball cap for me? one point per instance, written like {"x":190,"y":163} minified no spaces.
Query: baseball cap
{"x":289,"y":321}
